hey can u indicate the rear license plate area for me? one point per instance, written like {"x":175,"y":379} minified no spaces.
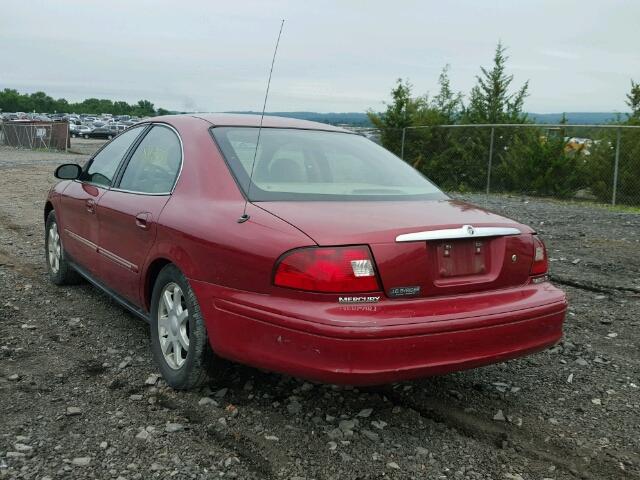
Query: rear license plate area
{"x":458,"y":258}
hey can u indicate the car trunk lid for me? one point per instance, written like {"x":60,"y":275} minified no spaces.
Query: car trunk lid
{"x":421,"y":248}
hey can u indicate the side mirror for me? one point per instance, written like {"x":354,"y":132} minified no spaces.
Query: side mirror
{"x":68,"y":171}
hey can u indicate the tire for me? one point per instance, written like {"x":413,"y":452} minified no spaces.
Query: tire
{"x":73,"y":135}
{"x":109,"y":137}
{"x":58,"y":268}
{"x":166,"y":329}
{"x":86,"y":137}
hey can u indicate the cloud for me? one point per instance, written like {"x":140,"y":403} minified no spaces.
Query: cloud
{"x":334,"y":55}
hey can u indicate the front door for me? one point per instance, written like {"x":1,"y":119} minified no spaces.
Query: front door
{"x":79,"y":223}
{"x":81,"y":198}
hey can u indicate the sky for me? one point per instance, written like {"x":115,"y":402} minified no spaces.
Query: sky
{"x":334,"y":56}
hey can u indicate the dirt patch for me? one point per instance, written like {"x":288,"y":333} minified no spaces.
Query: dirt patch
{"x":77,"y":399}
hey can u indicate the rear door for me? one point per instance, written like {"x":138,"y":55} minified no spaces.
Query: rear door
{"x":80,"y":200}
{"x":129,"y":212}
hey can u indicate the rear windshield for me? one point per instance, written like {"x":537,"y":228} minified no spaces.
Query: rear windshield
{"x":293,"y":164}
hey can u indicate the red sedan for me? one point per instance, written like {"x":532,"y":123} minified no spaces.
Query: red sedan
{"x":349,"y":266}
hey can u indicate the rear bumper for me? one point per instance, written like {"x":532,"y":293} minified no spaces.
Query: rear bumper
{"x":369,"y":347}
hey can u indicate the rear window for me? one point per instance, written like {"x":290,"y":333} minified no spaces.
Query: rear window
{"x":294,"y":164}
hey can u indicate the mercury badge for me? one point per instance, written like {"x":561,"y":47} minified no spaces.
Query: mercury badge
{"x":358,"y":299}
{"x":470,"y":230}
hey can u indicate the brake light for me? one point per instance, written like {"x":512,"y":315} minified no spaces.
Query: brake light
{"x":540,"y":263}
{"x":328,"y":269}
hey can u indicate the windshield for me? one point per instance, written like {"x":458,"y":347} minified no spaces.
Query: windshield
{"x":293,"y":164}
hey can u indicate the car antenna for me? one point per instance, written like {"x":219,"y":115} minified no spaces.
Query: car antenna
{"x":245,"y":216}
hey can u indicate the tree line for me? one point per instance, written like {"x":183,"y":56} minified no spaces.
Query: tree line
{"x":540,"y":161}
{"x":13,"y":101}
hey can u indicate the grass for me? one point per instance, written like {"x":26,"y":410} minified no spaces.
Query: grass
{"x":619,"y":208}
{"x":589,"y":203}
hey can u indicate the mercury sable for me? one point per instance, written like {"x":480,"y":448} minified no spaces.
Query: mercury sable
{"x":319,"y":254}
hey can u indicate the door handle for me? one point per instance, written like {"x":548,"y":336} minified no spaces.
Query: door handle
{"x":91,"y":206}
{"x":142,"y":220}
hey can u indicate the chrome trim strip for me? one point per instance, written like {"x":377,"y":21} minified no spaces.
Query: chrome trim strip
{"x":106,"y":253}
{"x":163,"y":194}
{"x":82,"y":240}
{"x":466,"y":231}
{"x":118,"y":260}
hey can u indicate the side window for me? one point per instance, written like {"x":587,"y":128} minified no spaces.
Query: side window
{"x":154,"y":166}
{"x":103,"y":166}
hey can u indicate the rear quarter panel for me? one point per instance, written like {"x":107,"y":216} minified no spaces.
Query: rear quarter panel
{"x":198,"y":229}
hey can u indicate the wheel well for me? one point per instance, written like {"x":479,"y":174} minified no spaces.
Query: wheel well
{"x":152,"y":274}
{"x":47,"y":210}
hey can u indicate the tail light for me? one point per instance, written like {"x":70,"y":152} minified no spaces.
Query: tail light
{"x":540,"y":263}
{"x":328,"y":269}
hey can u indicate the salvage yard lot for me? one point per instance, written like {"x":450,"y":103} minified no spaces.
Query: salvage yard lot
{"x":78,"y":398}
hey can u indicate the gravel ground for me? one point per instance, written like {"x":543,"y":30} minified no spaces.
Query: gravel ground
{"x":80,"y":398}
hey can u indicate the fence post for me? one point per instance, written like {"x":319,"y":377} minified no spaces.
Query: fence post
{"x":493,"y":131}
{"x":404,"y":131}
{"x":615,"y":169}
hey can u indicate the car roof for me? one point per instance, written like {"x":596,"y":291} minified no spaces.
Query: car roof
{"x":250,"y":120}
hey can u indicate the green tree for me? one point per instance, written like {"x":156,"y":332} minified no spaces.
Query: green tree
{"x":398,"y":115}
{"x":121,"y":108}
{"x":633,"y":100}
{"x":62,"y":105}
{"x":491,"y":100}
{"x":447,"y":103}
{"x":537,"y":163}
{"x":532,"y":160}
{"x":144,"y":108}
{"x":405,"y":111}
{"x":13,"y":101}
{"x":41,"y":102}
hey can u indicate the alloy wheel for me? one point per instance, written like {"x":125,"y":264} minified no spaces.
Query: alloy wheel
{"x":54,"y":250}
{"x":173,"y":325}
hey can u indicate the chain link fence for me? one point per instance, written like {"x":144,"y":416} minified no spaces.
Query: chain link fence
{"x":598,"y":163}
{"x":35,"y":135}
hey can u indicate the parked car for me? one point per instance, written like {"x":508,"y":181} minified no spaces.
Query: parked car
{"x":329,"y":258}
{"x":80,"y":131}
{"x":107,"y":131}
{"x":101,"y":132}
